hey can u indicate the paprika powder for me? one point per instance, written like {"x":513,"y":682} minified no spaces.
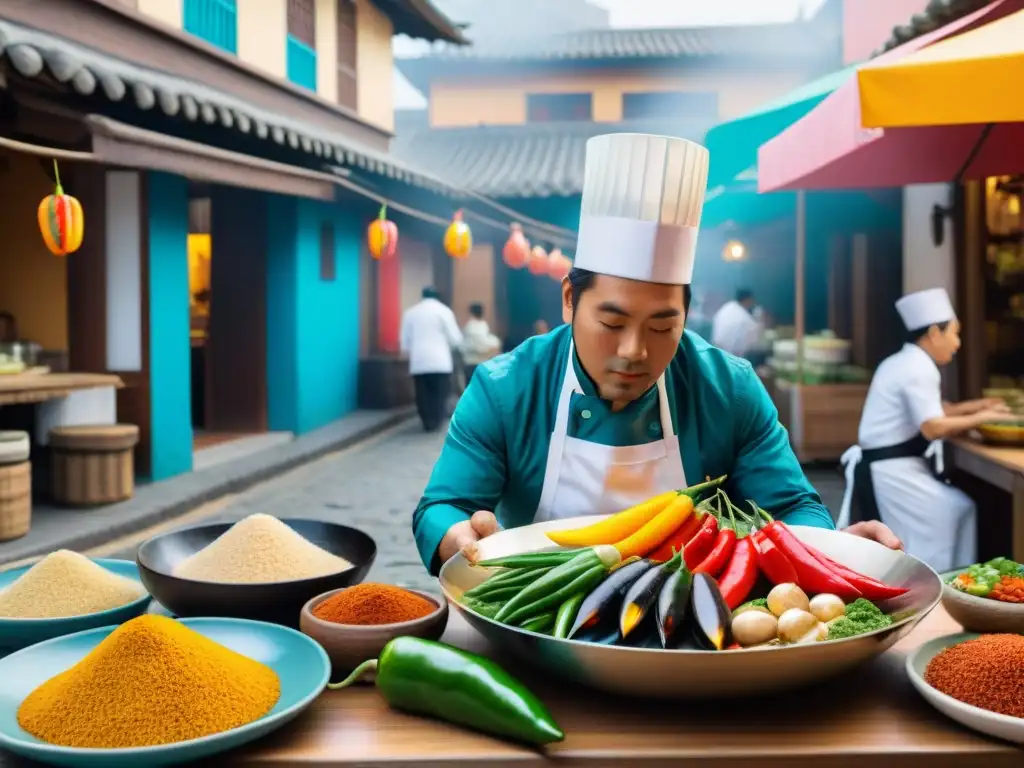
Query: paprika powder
{"x":372,"y":604}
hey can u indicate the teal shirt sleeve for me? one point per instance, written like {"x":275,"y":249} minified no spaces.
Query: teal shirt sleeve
{"x":766,"y":469}
{"x":471,"y":471}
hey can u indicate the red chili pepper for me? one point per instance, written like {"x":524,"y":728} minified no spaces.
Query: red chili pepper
{"x":678,"y":540}
{"x":812,"y":576}
{"x":717,"y":559}
{"x":740,"y":575}
{"x":702,"y":543}
{"x":872,"y":589}
{"x":773,"y":564}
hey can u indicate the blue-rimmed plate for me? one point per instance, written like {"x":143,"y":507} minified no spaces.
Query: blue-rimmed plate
{"x":300,"y":663}
{"x":20,"y":633}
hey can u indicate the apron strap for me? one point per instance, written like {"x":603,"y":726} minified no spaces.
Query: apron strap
{"x":553,"y":468}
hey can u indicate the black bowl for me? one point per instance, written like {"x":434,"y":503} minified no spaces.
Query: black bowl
{"x":277,"y":602}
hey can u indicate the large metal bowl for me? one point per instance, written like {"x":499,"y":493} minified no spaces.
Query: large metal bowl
{"x":703,"y":674}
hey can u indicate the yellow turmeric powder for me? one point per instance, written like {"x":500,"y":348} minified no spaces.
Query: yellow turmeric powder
{"x":150,"y":681}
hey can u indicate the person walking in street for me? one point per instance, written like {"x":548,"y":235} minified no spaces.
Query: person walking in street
{"x":479,"y":344}
{"x":429,"y":333}
{"x":621,"y":403}
{"x":736,"y":327}
{"x":894,"y":472}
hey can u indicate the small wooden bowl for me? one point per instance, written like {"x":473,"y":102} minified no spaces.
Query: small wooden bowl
{"x":348,"y":645}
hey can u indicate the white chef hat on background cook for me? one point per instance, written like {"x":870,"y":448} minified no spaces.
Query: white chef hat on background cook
{"x":924,"y":309}
{"x":641,"y":207}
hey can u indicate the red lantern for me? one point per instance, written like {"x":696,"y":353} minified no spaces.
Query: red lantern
{"x":538,"y":263}
{"x":382,"y":236}
{"x":517,"y":249}
{"x":558,"y":265}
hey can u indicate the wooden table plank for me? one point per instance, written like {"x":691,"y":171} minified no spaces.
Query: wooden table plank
{"x":37,"y":388}
{"x":871,"y":714}
{"x":1001,"y":467}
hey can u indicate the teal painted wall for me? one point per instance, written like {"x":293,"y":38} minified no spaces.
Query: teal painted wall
{"x":169,"y":346}
{"x":312,"y":324}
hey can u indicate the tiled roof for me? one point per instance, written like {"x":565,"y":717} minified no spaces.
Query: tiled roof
{"x":938,"y":13}
{"x":534,"y":160}
{"x":422,"y":19}
{"x":763,"y":40}
{"x":88,"y":72}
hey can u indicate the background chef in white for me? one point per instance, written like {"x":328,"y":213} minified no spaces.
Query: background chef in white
{"x":736,"y":327}
{"x":892,"y":471}
{"x":429,"y":333}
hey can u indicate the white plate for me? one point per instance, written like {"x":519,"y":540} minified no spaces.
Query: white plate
{"x":981,"y":720}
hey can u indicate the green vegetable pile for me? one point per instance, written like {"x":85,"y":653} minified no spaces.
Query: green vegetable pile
{"x":862,"y":616}
{"x":981,"y":578}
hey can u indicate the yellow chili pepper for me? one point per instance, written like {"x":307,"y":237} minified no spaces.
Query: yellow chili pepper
{"x":656,"y":532}
{"x":616,"y":527}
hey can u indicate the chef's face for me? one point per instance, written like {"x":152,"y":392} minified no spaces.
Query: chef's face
{"x":626,"y":333}
{"x":945,"y":342}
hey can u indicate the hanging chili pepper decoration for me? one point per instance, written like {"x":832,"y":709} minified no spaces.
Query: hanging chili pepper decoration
{"x":61,"y":221}
{"x":382,"y":236}
{"x":458,"y":240}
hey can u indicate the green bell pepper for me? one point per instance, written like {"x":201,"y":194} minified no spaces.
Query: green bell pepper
{"x":437,"y":680}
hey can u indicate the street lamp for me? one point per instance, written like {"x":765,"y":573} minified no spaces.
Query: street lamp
{"x":734,"y":250}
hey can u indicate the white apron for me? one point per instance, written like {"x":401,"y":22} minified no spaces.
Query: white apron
{"x":584,"y":478}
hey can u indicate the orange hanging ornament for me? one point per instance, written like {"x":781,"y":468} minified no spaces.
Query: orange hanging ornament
{"x":382,"y":236}
{"x":558,"y":265}
{"x":458,"y":240}
{"x":517,"y":249}
{"x":61,"y":221}
{"x":538,"y":263}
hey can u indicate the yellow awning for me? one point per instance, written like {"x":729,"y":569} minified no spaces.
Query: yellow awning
{"x":976,"y":77}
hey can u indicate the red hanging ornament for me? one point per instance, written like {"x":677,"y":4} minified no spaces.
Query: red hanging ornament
{"x":516,"y":252}
{"x":538,"y":263}
{"x":558,"y":265}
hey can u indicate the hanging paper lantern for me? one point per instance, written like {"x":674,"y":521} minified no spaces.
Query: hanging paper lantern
{"x":61,"y":221}
{"x":382,"y":236}
{"x":517,"y":249}
{"x":558,"y":265}
{"x":538,"y":263}
{"x":458,"y":240}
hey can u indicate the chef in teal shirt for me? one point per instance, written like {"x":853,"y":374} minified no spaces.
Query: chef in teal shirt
{"x":621,"y":403}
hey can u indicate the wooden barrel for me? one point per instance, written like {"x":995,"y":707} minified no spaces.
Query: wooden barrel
{"x":15,"y":500}
{"x":93,"y":465}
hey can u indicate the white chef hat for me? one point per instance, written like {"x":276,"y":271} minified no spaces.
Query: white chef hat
{"x":924,"y":309}
{"x":642,"y":200}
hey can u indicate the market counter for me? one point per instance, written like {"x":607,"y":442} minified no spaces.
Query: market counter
{"x":999,"y":467}
{"x":872,"y":713}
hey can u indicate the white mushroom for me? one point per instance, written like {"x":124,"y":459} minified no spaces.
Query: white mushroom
{"x":826,"y":607}
{"x":816,"y":635}
{"x":786,"y":596}
{"x":795,"y":624}
{"x":754,"y":628}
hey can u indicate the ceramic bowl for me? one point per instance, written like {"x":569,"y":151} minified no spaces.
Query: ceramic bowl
{"x":349,"y":645}
{"x":981,"y":720}
{"x":276,"y":602}
{"x":1003,"y":433}
{"x":20,"y":633}
{"x":980,"y":614}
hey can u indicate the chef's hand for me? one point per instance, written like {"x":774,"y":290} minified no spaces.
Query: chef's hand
{"x":995,"y":414}
{"x":480,"y":525}
{"x":876,"y":531}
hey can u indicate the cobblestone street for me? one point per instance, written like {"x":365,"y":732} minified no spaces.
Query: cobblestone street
{"x":373,"y":486}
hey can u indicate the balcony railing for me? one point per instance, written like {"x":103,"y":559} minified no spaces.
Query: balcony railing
{"x":301,"y":63}
{"x":215,"y":21}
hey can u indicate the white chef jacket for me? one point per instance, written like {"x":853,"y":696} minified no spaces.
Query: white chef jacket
{"x":734,"y":329}
{"x":905,"y":392}
{"x":429,"y":332}
{"x":478,"y":344}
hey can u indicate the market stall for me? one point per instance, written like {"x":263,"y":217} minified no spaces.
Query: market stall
{"x":1002,"y":468}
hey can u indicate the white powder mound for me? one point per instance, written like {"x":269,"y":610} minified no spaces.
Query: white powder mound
{"x":259,"y":550}
{"x":64,"y":584}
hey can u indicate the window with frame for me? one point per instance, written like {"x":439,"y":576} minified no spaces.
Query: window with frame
{"x":558,"y":107}
{"x":215,"y":21}
{"x":302,"y":43}
{"x":670,"y":104}
{"x":347,"y":44}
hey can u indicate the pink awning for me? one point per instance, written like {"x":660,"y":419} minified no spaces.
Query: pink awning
{"x":828,"y":148}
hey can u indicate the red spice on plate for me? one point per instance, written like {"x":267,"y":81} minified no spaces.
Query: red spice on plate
{"x":987,"y":673}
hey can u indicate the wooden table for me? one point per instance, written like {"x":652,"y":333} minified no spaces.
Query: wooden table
{"x":870,"y":715}
{"x":1002,"y":468}
{"x":38,"y":388}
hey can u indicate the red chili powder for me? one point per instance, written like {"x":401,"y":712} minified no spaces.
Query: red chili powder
{"x":371,"y":603}
{"x":987,"y":673}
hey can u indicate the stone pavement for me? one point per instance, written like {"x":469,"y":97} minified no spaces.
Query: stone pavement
{"x":375,"y":487}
